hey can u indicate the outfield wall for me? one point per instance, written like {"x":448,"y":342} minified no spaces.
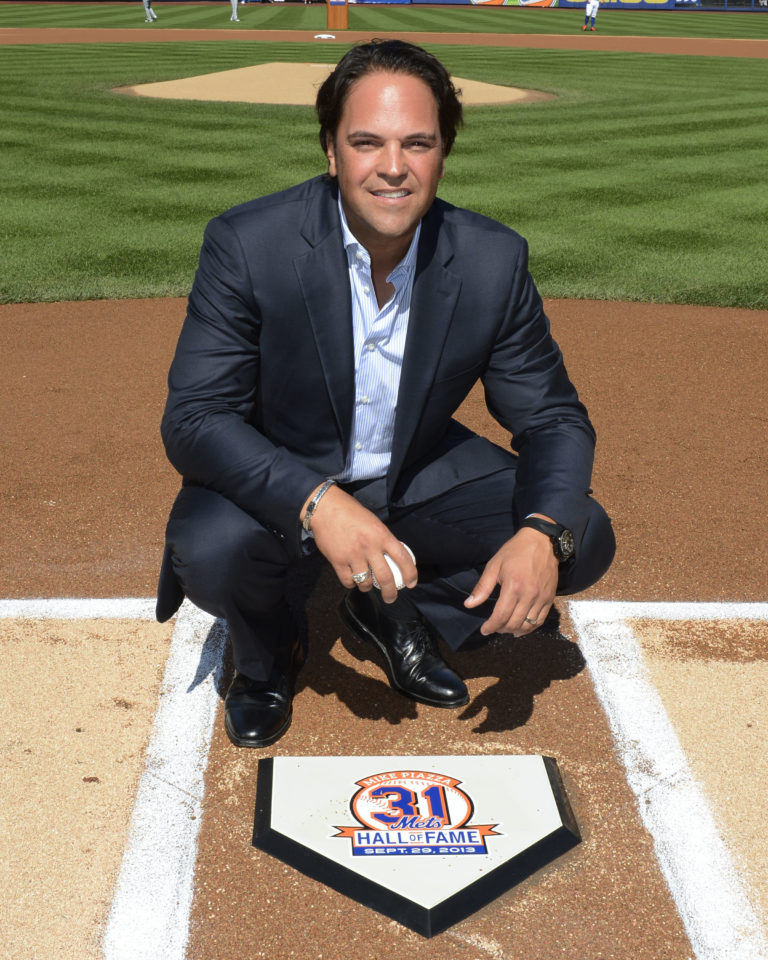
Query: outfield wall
{"x":615,"y":4}
{"x":721,"y":5}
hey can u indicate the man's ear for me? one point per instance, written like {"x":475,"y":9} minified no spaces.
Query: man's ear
{"x":330,"y":152}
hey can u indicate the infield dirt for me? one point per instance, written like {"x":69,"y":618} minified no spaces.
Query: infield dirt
{"x":677,"y":395}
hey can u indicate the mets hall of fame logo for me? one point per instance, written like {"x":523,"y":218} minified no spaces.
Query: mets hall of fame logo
{"x":414,"y":812}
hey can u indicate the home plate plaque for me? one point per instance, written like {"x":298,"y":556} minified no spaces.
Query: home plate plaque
{"x":423,"y":840}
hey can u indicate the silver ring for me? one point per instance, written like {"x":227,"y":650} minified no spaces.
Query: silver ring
{"x":361,"y":577}
{"x":532,"y":622}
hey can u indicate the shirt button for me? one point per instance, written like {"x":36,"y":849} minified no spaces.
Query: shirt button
{"x":359,"y":254}
{"x":358,"y":446}
{"x":366,"y":289}
{"x":371,"y":346}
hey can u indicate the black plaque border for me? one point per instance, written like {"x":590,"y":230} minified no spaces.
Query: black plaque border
{"x":426,"y":921}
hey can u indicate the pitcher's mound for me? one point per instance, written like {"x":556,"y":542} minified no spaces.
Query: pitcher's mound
{"x":297,"y":83}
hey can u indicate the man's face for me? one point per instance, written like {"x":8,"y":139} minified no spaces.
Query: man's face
{"x":388,"y":158}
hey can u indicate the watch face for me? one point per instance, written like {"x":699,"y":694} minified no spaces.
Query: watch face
{"x":566,"y":544}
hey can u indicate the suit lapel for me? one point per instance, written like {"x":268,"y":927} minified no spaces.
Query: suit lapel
{"x":433,"y":301}
{"x":322,"y":274}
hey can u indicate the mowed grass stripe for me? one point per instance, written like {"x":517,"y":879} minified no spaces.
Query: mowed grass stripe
{"x":643,"y":180}
{"x":657,"y":206}
{"x":649,"y":129}
{"x":471,"y":19}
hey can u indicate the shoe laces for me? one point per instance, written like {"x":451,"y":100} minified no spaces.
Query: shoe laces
{"x":418,"y":639}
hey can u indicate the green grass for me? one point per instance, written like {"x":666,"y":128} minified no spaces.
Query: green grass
{"x":646,"y":179}
{"x":472,"y":19}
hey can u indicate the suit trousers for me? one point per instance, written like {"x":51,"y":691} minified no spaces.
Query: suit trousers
{"x":231,"y":566}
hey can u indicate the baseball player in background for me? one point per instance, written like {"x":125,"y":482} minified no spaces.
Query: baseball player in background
{"x":592,"y":7}
{"x":149,"y":13}
{"x":234,"y":11}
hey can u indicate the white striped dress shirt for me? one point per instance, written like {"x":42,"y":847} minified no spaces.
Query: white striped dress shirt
{"x":379,"y":343}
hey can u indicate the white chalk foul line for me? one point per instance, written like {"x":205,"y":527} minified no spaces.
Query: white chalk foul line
{"x":69,"y":608}
{"x":150,"y":910}
{"x":696,"y":863}
{"x":149,"y":916}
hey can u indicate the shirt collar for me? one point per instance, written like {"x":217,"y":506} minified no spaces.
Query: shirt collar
{"x":353,"y":246}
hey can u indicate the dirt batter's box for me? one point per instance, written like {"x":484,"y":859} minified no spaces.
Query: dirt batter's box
{"x":682,"y":686}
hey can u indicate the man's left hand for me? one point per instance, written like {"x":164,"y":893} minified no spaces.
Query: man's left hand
{"x":526,"y":570}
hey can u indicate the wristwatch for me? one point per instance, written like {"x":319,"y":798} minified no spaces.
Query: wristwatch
{"x":561,"y":537}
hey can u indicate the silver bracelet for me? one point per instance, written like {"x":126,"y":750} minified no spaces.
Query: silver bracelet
{"x":312,"y":505}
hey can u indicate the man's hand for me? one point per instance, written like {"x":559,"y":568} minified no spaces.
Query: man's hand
{"x":354,"y":540}
{"x":526,"y":569}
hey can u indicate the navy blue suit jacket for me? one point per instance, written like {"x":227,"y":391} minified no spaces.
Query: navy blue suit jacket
{"x":261,"y":389}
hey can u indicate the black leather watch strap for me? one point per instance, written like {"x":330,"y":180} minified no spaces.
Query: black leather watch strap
{"x":561,"y":537}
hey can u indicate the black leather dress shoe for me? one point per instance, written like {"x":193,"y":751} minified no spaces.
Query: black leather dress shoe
{"x":258,"y":712}
{"x":409,"y":647}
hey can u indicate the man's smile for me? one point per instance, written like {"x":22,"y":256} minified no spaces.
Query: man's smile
{"x":391,"y":194}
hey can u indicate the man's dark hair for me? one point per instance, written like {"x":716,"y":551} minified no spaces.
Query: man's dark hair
{"x":388,"y":56}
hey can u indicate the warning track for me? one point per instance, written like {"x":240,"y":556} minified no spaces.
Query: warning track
{"x":684,"y":46}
